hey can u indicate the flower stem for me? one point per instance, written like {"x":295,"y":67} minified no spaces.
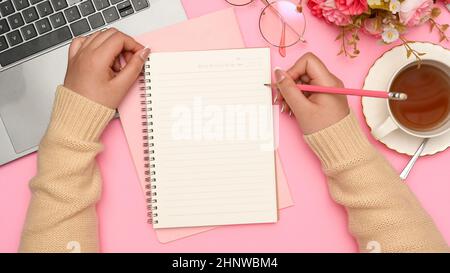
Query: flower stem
{"x":441,"y":28}
{"x":410,"y":50}
{"x":344,"y":46}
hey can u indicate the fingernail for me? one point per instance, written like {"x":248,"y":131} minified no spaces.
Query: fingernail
{"x":282,"y":108}
{"x":276,"y":98}
{"x":279,"y":74}
{"x":122,"y":62}
{"x":144,"y":53}
{"x":290,"y":113}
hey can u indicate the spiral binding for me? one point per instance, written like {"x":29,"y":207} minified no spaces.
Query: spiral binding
{"x":148,"y":144}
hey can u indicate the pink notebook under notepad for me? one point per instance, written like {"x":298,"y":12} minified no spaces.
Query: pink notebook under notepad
{"x":196,"y":34}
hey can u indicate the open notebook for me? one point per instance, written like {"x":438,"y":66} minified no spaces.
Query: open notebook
{"x":209,"y":138}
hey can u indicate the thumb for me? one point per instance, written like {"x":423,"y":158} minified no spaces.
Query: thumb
{"x":288,"y":89}
{"x":128,"y":75}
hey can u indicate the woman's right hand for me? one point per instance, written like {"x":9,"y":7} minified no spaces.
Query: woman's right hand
{"x":315,"y":111}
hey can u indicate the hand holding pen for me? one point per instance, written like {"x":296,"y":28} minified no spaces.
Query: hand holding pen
{"x":323,"y":98}
{"x":318,"y":110}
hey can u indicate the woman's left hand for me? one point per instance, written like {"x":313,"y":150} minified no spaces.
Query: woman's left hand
{"x":94,"y":69}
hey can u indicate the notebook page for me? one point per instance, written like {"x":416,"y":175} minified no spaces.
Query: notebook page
{"x":213,"y":139}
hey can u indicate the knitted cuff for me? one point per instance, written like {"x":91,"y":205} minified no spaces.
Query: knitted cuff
{"x":78,"y":117}
{"x":340,"y":143}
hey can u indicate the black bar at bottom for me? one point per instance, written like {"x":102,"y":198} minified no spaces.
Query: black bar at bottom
{"x":35,"y":46}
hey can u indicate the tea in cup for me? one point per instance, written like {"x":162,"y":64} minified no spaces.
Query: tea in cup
{"x":426,"y":112}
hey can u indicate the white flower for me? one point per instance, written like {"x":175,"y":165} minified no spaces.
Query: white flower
{"x":394,"y":6}
{"x":390,"y":34}
{"x":330,"y":4}
{"x":374,"y":2}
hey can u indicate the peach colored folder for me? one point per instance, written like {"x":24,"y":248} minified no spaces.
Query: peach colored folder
{"x":218,"y":30}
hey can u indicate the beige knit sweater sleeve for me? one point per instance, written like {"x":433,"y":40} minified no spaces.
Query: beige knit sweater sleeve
{"x":61,"y":216}
{"x":383,"y":213}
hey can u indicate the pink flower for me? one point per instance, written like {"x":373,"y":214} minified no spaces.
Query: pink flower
{"x":352,"y":7}
{"x":333,"y":15}
{"x":372,"y":27}
{"x":314,"y":6}
{"x":415,"y":12}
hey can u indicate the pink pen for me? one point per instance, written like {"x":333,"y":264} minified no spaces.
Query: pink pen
{"x":348,"y":91}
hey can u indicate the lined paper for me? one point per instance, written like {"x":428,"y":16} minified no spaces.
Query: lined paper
{"x":213,"y":139}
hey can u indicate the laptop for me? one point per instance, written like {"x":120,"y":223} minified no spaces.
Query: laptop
{"x":34,"y":40}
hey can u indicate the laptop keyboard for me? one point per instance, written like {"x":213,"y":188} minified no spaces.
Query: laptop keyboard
{"x":28,"y":27}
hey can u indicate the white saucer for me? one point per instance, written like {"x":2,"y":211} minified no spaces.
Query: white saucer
{"x":375,"y":110}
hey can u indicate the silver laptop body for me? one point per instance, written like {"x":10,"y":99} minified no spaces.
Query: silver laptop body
{"x":27,"y":87}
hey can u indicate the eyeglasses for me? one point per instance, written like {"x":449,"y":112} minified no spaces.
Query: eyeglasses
{"x":281,"y":23}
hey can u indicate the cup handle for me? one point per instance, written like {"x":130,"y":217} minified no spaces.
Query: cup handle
{"x":387,"y":127}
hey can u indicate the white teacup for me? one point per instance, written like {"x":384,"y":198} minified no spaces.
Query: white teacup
{"x":391,"y":124}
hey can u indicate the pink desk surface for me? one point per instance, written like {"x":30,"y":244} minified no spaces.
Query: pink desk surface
{"x":314,"y":224}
